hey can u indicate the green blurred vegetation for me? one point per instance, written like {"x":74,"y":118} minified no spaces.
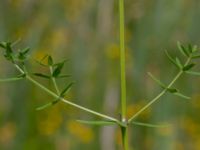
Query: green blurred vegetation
{"x":86,"y":32}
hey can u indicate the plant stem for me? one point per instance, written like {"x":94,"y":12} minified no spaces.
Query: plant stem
{"x":122,"y":61}
{"x":123,"y":75}
{"x":159,"y":95}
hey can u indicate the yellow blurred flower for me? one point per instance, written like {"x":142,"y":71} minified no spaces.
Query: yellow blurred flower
{"x":50,"y":122}
{"x":80,"y":131}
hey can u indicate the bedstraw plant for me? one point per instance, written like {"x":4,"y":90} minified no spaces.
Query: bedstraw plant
{"x":18,"y":59}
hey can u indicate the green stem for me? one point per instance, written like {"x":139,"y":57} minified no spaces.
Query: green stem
{"x":159,"y":95}
{"x":123,"y":76}
{"x":122,"y":61}
{"x":54,"y":81}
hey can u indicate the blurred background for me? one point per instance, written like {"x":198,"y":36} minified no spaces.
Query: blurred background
{"x":86,"y":33}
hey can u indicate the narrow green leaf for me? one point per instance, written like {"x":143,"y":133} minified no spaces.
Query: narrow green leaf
{"x":182,"y":49}
{"x":157,"y":81}
{"x":190,"y":48}
{"x":40,"y":62}
{"x":64,"y":61}
{"x":98,"y":123}
{"x":171,"y":59}
{"x":193,"y":73}
{"x":11,"y":79}
{"x":178,"y":62}
{"x":171,"y":90}
{"x":58,"y":70}
{"x":188,"y":67}
{"x":42,"y":75}
{"x":196,"y":56}
{"x":181,"y":95}
{"x":47,"y":105}
{"x":50,"y":61}
{"x":3,"y":45}
{"x":149,"y":125}
{"x":66,"y":89}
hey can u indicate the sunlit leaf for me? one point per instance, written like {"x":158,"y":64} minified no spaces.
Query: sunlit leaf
{"x":98,"y":123}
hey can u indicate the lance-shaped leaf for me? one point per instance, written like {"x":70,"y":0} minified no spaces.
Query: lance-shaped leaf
{"x":178,"y":62}
{"x":196,"y":56}
{"x":177,"y":93}
{"x":42,"y":75}
{"x":181,"y":95}
{"x":66,"y":89}
{"x":171,"y":59}
{"x":150,"y":125}
{"x":50,"y":61}
{"x":157,"y":81}
{"x":3,"y":44}
{"x":11,"y":79}
{"x":193,"y":73}
{"x":188,"y":67}
{"x":47,"y":105}
{"x":98,"y":123}
{"x":182,"y":49}
{"x":64,"y":61}
{"x":58,"y":70}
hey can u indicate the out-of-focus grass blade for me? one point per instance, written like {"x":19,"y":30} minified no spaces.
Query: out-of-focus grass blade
{"x":98,"y":123}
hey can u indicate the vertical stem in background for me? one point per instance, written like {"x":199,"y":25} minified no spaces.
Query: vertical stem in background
{"x":122,"y":60}
{"x":123,"y":75}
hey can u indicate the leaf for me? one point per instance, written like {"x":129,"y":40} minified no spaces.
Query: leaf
{"x":156,"y":80}
{"x":195,"y":48}
{"x":188,"y":67}
{"x":41,"y":61}
{"x":190,"y":48}
{"x":3,"y":44}
{"x":58,"y":69}
{"x":64,"y":61}
{"x":98,"y":123}
{"x":182,"y":49}
{"x":178,"y":62}
{"x":149,"y":125}
{"x":196,"y":56}
{"x":171,"y":90}
{"x":193,"y":73}
{"x":64,"y":76}
{"x":50,"y":61}
{"x":11,"y":79}
{"x":66,"y":89}
{"x":42,"y":75}
{"x":171,"y":59}
{"x":181,"y":95}
{"x":47,"y":105}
